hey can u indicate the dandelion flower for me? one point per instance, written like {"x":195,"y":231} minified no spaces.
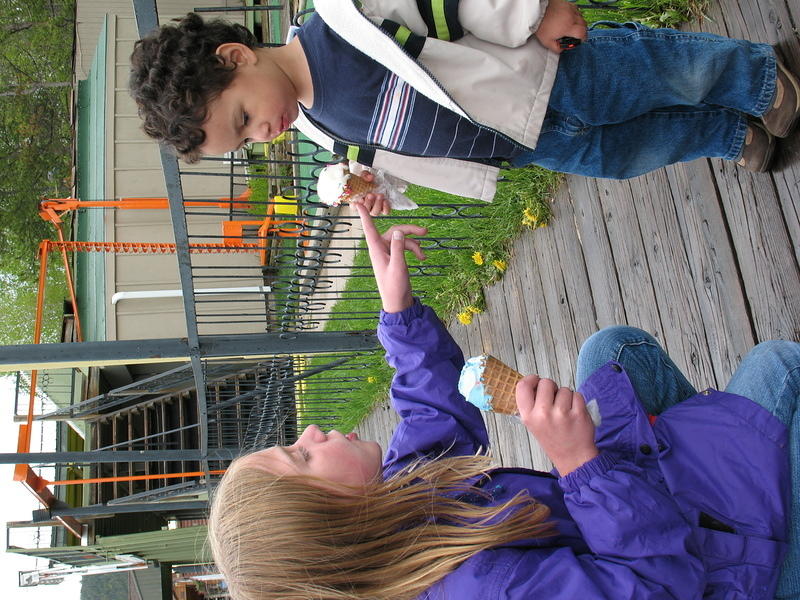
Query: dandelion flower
{"x":371,"y":379}
{"x":500,"y":265}
{"x":465,"y":318}
{"x":529,"y":219}
{"x":477,"y":258}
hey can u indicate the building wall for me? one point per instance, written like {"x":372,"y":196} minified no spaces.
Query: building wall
{"x":133,"y":170}
{"x":91,"y":13}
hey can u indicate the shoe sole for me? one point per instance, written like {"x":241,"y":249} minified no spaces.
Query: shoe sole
{"x":793,"y":122}
{"x":763,"y":167}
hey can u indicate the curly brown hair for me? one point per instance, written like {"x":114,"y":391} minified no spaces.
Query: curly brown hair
{"x":176,"y":73}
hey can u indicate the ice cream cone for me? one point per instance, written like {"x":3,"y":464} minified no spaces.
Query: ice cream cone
{"x":336,"y":184}
{"x":500,"y":381}
{"x":358,"y":187}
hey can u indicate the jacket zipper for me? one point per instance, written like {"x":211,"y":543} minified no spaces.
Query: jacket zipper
{"x":441,"y":88}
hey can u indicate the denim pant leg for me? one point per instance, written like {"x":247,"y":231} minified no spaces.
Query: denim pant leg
{"x":658,"y":382}
{"x":632,"y":99}
{"x":637,"y":146}
{"x":770,"y":376}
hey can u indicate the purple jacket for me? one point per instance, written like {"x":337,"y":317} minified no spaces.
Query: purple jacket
{"x":660,"y":513}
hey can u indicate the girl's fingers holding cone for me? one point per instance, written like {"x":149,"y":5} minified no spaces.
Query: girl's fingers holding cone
{"x":563,"y":400}
{"x":546,"y":393}
{"x":526,"y":395}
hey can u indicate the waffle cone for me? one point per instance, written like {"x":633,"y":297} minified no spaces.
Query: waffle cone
{"x":500,"y":381}
{"x":358,"y":187}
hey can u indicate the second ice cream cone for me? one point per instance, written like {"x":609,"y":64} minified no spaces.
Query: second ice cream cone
{"x":358,"y":186}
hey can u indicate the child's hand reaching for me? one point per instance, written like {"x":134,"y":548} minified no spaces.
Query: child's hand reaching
{"x":388,"y":260}
{"x":561,"y":19}
{"x":558,"y":419}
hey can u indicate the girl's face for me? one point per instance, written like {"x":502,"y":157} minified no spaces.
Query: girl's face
{"x":343,"y":460}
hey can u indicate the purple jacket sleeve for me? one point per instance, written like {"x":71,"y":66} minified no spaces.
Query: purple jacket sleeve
{"x":640,"y":547}
{"x":640,"y":541}
{"x":435,"y":417}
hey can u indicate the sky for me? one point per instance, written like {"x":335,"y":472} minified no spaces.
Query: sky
{"x":16,"y":505}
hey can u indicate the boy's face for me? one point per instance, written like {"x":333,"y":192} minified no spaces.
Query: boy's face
{"x":341,"y":459}
{"x":259,"y":104}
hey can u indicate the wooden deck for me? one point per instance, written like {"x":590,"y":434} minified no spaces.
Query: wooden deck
{"x":703,"y":255}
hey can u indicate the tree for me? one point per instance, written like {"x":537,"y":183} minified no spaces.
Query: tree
{"x":35,"y":133}
{"x":36,"y":41}
{"x":18,"y":299}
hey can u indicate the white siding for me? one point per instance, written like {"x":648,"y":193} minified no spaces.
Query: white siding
{"x":133,"y":169}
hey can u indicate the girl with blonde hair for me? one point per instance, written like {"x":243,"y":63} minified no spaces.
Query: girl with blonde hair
{"x":690,"y":504}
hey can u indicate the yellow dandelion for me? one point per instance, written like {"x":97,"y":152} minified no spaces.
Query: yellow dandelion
{"x":529,"y":219}
{"x":500,"y":265}
{"x":474,"y":310}
{"x":477,"y":258}
{"x":371,"y":379}
{"x":465,"y":318}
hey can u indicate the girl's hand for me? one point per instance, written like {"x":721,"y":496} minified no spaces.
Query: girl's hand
{"x":561,"y":19}
{"x":558,"y":419}
{"x":386,"y":252}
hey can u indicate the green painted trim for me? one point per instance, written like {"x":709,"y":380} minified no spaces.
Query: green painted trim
{"x":90,"y":183}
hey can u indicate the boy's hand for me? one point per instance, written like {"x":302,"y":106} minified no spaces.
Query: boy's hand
{"x":376,"y":204}
{"x":558,"y":419}
{"x":388,"y":259}
{"x":561,"y":19}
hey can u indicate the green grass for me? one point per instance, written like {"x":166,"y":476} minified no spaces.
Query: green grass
{"x":522,"y":201}
{"x":653,"y":13}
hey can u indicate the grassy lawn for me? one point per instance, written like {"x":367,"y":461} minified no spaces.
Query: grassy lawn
{"x":455,"y":278}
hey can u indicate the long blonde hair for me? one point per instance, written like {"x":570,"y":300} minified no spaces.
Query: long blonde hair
{"x":282,"y":537}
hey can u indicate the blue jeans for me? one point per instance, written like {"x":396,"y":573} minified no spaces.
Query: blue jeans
{"x":769,"y":375}
{"x":632,"y":99}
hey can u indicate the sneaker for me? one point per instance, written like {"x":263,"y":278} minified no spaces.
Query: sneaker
{"x":784,"y":112}
{"x":759,"y":145}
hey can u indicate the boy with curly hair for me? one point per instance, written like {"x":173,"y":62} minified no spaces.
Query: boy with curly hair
{"x":443,"y":93}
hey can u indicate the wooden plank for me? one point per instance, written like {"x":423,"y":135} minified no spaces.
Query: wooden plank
{"x":532,"y":297}
{"x":554,"y":296}
{"x":786,"y":175}
{"x":791,"y":9}
{"x":578,"y":291}
{"x":720,"y":294}
{"x":496,"y":333}
{"x":593,"y":236}
{"x":629,"y":256}
{"x":678,"y":309}
{"x":764,"y":251}
{"x":519,"y":313}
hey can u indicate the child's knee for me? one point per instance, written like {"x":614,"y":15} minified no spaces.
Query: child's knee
{"x":609,"y":339}
{"x":775,"y":355}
